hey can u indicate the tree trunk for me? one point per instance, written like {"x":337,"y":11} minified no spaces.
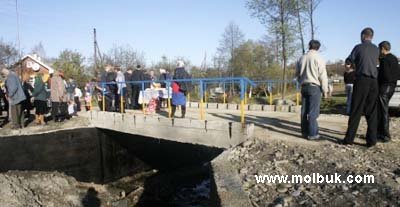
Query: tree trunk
{"x":300,"y":26}
{"x":283,"y":34}
{"x":232,"y":86}
{"x":312,"y":18}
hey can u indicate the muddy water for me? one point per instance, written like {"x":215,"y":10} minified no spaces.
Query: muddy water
{"x":189,"y":187}
{"x":181,"y":175}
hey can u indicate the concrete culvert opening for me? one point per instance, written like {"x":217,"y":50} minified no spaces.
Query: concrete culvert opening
{"x":109,"y":168}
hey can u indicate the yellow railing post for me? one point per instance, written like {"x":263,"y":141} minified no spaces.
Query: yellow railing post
{"x":143,"y":105}
{"x":224,"y":98}
{"x":242,"y":120}
{"x":122,"y":104}
{"x":270,"y":98}
{"x":202,"y":96}
{"x":169,"y":107}
{"x":104,"y":102}
{"x":297,"y":99}
{"x":205,"y":96}
{"x":201,"y":110}
{"x":245,"y":98}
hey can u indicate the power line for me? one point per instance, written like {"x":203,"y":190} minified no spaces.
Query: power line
{"x":18,"y":38}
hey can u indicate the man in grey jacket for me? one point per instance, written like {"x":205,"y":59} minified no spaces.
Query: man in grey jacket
{"x":311,"y":74}
{"x":15,"y":95}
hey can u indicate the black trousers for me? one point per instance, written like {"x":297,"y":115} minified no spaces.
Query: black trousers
{"x":385,"y":94}
{"x":364,"y":100}
{"x":183,"y":108}
{"x":59,"y":111}
{"x":128,"y":97}
{"x":64,"y":111}
{"x":107,"y":103}
{"x":78,"y":103}
{"x":55,"y":110}
{"x":135,"y":96}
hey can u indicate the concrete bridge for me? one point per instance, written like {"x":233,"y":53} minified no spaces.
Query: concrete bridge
{"x":212,"y":133}
{"x":103,"y":146}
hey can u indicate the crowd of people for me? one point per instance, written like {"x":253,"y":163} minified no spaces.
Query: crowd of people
{"x":115,"y":86}
{"x":47,"y":92}
{"x":369,"y":88}
{"x":52,"y":93}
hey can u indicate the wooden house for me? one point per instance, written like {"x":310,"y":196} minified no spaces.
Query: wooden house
{"x":26,"y":66}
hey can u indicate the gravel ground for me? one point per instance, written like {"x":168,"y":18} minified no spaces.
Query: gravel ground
{"x":276,"y":149}
{"x":272,"y":153}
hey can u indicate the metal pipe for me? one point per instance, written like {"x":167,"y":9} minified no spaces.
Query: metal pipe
{"x":143,"y":106}
{"x":104,"y":97}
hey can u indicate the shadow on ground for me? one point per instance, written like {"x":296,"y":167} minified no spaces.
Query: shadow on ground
{"x":283,"y":126}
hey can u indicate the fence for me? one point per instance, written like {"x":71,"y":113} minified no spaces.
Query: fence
{"x":271,"y":84}
{"x":242,"y":82}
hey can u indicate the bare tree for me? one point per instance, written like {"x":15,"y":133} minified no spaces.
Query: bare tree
{"x":124,"y":56}
{"x":231,"y":39}
{"x":219,"y":63}
{"x":8,"y":53}
{"x":311,"y":7}
{"x":39,"y":50}
{"x":278,"y":16}
{"x":300,"y":8}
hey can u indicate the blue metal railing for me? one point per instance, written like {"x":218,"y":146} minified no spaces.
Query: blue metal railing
{"x":243,"y":82}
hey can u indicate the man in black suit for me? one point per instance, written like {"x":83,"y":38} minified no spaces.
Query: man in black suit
{"x":387,"y":78}
{"x":365,"y":93}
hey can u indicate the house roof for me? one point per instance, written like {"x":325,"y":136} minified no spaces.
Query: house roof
{"x":50,"y":69}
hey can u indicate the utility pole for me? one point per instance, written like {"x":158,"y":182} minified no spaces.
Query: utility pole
{"x":95,"y":53}
{"x":204,"y":63}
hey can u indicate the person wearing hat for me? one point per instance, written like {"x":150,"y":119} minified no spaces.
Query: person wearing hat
{"x":64,"y":102}
{"x":137,"y":75}
{"x":39,"y":95}
{"x":57,"y":95}
{"x":15,"y":95}
{"x":180,"y":88}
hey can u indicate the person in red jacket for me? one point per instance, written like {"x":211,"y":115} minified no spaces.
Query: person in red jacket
{"x":180,"y":89}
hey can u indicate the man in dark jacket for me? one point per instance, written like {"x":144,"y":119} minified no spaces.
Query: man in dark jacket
{"x":137,"y":75}
{"x":365,"y":93}
{"x":164,"y":76}
{"x":387,"y":78}
{"x":128,"y":95}
{"x":16,"y":96}
{"x":108,"y":89}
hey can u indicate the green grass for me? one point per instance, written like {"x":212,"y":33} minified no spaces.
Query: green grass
{"x":334,"y":105}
